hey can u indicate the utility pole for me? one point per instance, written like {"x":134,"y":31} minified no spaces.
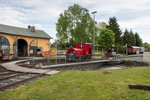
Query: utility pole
{"x":126,"y":49}
{"x":94,"y":12}
{"x":56,"y":49}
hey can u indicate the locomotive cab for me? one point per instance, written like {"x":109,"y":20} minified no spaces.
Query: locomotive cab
{"x":81,"y":52}
{"x":112,"y":51}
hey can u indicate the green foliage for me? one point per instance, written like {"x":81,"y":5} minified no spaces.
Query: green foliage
{"x":74,"y":25}
{"x":147,"y":46}
{"x":85,"y":85}
{"x":106,"y":38}
{"x":114,"y":26}
{"x":102,"y":25}
{"x":131,"y":39}
{"x":126,"y":37}
{"x":138,"y":40}
{"x":121,"y":48}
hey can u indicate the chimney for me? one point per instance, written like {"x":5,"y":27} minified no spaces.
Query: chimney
{"x":29,"y":27}
{"x":32,"y":29}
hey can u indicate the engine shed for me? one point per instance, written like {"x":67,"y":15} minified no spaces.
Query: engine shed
{"x":23,"y":41}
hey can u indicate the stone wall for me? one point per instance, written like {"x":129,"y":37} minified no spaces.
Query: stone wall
{"x":146,"y":56}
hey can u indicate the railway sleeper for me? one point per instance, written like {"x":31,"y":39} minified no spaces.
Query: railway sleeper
{"x":20,"y":82}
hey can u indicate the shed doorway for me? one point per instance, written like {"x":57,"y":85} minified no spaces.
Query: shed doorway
{"x":22,"y":48}
{"x":33,"y":48}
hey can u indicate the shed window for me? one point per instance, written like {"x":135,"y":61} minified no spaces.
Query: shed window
{"x":40,"y":49}
{"x":4,"y":44}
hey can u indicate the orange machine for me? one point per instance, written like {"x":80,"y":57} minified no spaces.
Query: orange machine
{"x":49,"y":53}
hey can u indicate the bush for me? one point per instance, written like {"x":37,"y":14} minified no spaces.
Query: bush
{"x":121,"y":49}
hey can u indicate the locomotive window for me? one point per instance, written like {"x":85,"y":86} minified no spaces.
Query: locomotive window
{"x":77,"y":45}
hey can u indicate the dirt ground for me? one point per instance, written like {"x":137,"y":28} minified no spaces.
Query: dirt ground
{"x":15,"y":59}
{"x":129,"y":63}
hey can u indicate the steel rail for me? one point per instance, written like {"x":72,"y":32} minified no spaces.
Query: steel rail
{"x":8,"y":73}
{"x":20,"y":74}
{"x":20,"y":82}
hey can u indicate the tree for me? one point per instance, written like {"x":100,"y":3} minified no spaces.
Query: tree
{"x":146,"y":46}
{"x":75,"y":25}
{"x":102,"y":25}
{"x":106,"y":38}
{"x":131,"y":38}
{"x":138,"y":40}
{"x":114,"y":26}
{"x":125,"y":37}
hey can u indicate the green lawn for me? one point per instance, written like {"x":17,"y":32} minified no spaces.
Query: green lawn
{"x":85,"y":85}
{"x":57,"y":57}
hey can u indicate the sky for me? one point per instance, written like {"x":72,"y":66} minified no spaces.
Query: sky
{"x":43,"y":14}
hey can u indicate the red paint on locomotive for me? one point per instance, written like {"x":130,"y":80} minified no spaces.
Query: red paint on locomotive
{"x":82,"y":51}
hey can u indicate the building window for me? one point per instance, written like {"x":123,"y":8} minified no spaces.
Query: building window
{"x":39,"y":49}
{"x":4,"y":44}
{"x":33,"y":43}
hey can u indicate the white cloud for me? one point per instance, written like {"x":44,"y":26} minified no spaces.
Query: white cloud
{"x":11,"y":17}
{"x":139,"y":22}
{"x":44,"y":13}
{"x":140,"y":25}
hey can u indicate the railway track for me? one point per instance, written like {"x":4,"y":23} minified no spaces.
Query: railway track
{"x":11,"y":80}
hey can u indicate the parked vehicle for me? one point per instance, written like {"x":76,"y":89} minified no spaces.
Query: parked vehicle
{"x":142,"y":50}
{"x":81,"y":52}
{"x":111,"y":52}
{"x":133,"y":50}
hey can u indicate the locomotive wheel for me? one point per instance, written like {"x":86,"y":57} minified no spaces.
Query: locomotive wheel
{"x":67,"y":58}
{"x":77,"y":58}
{"x":86,"y":58}
{"x":80,"y":58}
{"x":89,"y":56}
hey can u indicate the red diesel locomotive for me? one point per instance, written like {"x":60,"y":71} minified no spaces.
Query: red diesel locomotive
{"x":81,"y":52}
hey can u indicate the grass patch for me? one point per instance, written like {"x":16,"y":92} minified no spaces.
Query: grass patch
{"x":1,"y":63}
{"x":58,"y":57}
{"x":53,"y":48}
{"x":85,"y":85}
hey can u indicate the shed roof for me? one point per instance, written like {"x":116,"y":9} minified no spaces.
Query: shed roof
{"x":23,"y":32}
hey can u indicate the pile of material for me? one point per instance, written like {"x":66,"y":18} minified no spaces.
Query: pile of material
{"x":134,"y":63}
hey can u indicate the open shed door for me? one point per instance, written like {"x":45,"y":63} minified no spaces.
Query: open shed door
{"x":15,"y":49}
{"x":33,"y":48}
